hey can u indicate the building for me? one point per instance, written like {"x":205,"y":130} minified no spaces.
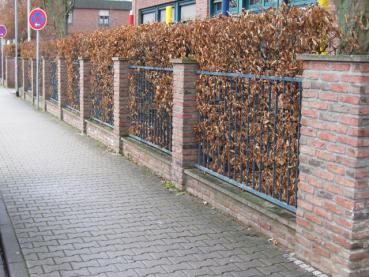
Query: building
{"x":183,"y":10}
{"x":90,"y":15}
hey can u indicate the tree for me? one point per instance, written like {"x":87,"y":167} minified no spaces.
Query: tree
{"x":353,"y":18}
{"x":59,"y":11}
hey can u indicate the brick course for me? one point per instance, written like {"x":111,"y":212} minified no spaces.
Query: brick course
{"x":121,"y":98}
{"x":333,"y":190}
{"x":185,"y":115}
{"x":84,"y":90}
{"x":45,"y":79}
{"x":9,"y":72}
{"x":62,"y":85}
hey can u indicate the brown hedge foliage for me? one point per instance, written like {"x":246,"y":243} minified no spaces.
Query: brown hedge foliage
{"x":265,"y":43}
{"x":9,"y":50}
{"x":260,"y":44}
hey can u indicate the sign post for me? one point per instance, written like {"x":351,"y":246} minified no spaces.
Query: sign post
{"x":37,"y":20}
{"x":3,"y":32}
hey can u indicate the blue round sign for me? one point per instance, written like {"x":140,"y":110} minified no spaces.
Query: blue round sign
{"x":37,"y":19}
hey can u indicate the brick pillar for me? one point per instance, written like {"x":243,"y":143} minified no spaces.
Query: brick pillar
{"x":6,"y":72}
{"x":62,"y":85}
{"x":85,"y":91}
{"x":10,"y":72}
{"x":121,"y":95}
{"x":45,"y":80}
{"x":333,"y":198}
{"x":22,"y":82}
{"x":33,"y":78}
{"x":185,"y":115}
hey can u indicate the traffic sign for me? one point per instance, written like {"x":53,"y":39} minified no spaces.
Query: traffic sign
{"x":37,"y":19}
{"x":3,"y":31}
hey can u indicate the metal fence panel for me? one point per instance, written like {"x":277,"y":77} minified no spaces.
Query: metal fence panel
{"x":249,"y":133}
{"x":73,"y":91}
{"x":52,"y":90}
{"x":102,"y":97}
{"x":151,"y":115}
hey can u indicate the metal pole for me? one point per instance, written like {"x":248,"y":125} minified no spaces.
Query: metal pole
{"x":16,"y":47}
{"x":37,"y":68}
{"x":225,"y":7}
{"x":2,"y":61}
{"x":28,"y":26}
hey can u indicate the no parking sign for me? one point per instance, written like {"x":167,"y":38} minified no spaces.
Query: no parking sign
{"x":37,"y":19}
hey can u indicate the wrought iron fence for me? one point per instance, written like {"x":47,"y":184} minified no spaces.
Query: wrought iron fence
{"x":249,"y":133}
{"x":73,"y":92}
{"x":52,"y":90}
{"x":150,"y":105}
{"x":102,"y":96}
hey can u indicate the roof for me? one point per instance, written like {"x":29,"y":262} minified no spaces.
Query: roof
{"x":103,"y":4}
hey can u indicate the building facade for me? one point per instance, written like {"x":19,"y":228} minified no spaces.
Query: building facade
{"x":154,"y":10}
{"x":90,"y":15}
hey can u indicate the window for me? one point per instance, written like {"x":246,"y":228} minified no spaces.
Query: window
{"x":302,"y":2}
{"x":235,"y":7}
{"x":183,"y":10}
{"x":215,"y":7}
{"x":148,"y":17}
{"x":104,"y":18}
{"x":256,"y":5}
{"x":163,"y":13}
{"x":70,"y":18}
{"x":187,"y":12}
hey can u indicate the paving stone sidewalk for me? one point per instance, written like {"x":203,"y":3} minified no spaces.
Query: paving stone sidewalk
{"x":79,"y":210}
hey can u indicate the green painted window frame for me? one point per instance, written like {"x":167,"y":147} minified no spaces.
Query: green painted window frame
{"x":245,"y":4}
{"x":235,"y":10}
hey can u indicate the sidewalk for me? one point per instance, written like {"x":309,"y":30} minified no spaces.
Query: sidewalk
{"x":79,"y":210}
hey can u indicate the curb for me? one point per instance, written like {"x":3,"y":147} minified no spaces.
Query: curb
{"x":14,"y":260}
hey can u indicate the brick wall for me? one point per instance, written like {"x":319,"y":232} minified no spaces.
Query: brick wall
{"x":333,"y":199}
{"x":10,"y":72}
{"x":86,"y":20}
{"x":202,"y":7}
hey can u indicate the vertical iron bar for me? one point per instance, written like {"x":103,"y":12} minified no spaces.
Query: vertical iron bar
{"x":298,"y":142}
{"x":268,"y":133}
{"x":255,"y":96}
{"x":248,"y":136}
{"x":235,"y":131}
{"x":275,"y":139}
{"x":261,"y":139}
{"x":282,"y":150}
{"x":229,"y":131}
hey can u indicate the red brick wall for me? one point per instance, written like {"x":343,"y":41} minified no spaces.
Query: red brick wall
{"x":333,"y":200}
{"x":10,"y":72}
{"x":86,"y":20}
{"x":202,"y":7}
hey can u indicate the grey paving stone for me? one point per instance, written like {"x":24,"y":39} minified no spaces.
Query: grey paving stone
{"x":79,"y":210}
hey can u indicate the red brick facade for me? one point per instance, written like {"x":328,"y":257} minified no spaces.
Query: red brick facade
{"x":87,"y":20}
{"x":333,"y":205}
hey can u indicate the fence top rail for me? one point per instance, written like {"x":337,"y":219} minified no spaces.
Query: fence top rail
{"x":151,"y":68}
{"x":250,"y":76}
